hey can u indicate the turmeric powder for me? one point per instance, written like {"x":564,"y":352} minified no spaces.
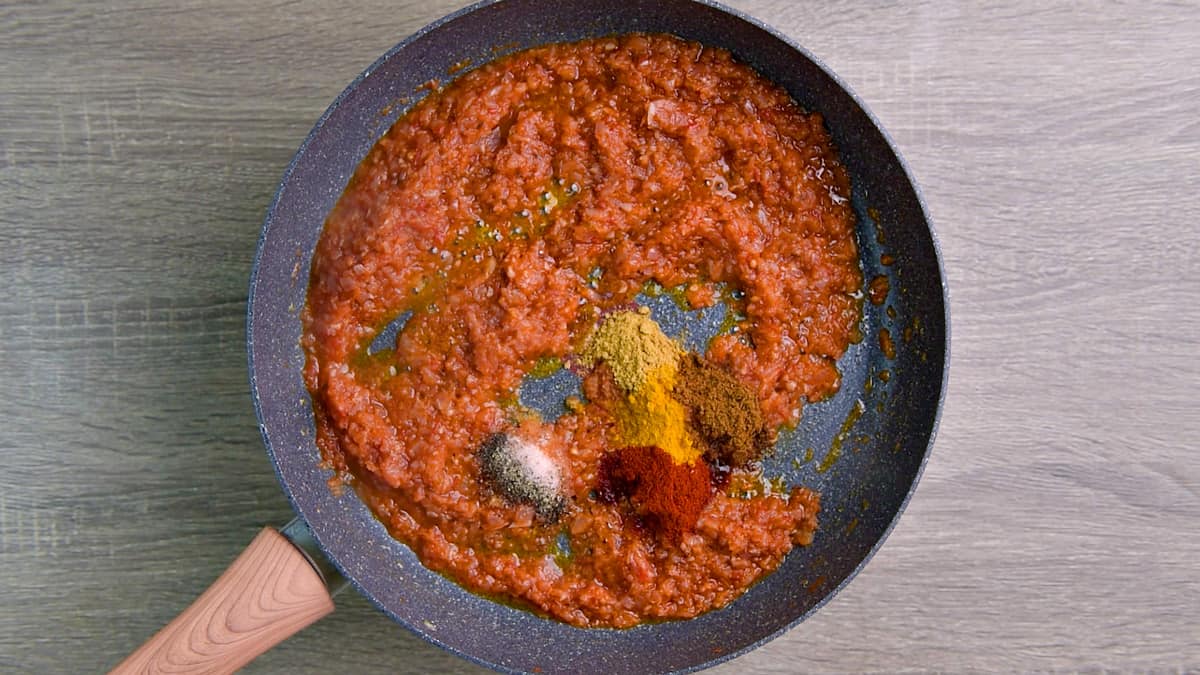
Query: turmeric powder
{"x":644,"y":363}
{"x":651,"y":416}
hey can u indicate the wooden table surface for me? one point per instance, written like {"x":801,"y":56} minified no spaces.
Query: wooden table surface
{"x":1058,"y":522}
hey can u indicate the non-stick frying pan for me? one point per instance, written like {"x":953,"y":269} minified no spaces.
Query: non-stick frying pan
{"x":869,"y":443}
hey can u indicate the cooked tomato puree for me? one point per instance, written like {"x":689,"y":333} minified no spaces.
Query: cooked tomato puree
{"x":511,"y":210}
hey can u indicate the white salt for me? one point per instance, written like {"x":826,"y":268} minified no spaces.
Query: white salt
{"x":523,"y":472}
{"x":538,"y":467}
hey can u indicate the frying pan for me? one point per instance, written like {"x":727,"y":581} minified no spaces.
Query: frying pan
{"x":868,"y":443}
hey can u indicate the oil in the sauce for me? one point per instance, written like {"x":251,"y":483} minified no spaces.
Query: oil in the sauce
{"x":878,"y":289}
{"x":835,"y":448}
{"x":874,"y":215}
{"x":677,"y":294}
{"x":545,"y":367}
{"x":886,"y":344}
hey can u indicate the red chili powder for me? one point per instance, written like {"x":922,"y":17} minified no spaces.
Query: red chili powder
{"x":666,"y":496}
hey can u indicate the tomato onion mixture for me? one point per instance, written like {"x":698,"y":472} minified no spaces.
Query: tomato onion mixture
{"x":505,"y":215}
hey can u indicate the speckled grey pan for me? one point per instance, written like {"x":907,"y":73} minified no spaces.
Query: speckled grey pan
{"x":863,"y":492}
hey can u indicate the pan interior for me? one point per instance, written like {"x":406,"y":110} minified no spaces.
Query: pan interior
{"x":882,"y":427}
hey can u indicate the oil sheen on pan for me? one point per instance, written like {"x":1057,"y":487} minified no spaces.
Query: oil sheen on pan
{"x":503,"y":232}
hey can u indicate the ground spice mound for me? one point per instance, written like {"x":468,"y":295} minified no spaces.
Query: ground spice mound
{"x":650,"y":415}
{"x":523,"y":474}
{"x":723,"y":412}
{"x":643,"y":363}
{"x":667,"y":495}
{"x":633,"y":345}
{"x":503,"y":216}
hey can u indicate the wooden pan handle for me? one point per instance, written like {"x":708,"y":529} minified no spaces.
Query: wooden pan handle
{"x":269,"y":593}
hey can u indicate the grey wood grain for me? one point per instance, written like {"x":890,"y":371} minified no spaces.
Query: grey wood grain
{"x":1057,"y":525}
